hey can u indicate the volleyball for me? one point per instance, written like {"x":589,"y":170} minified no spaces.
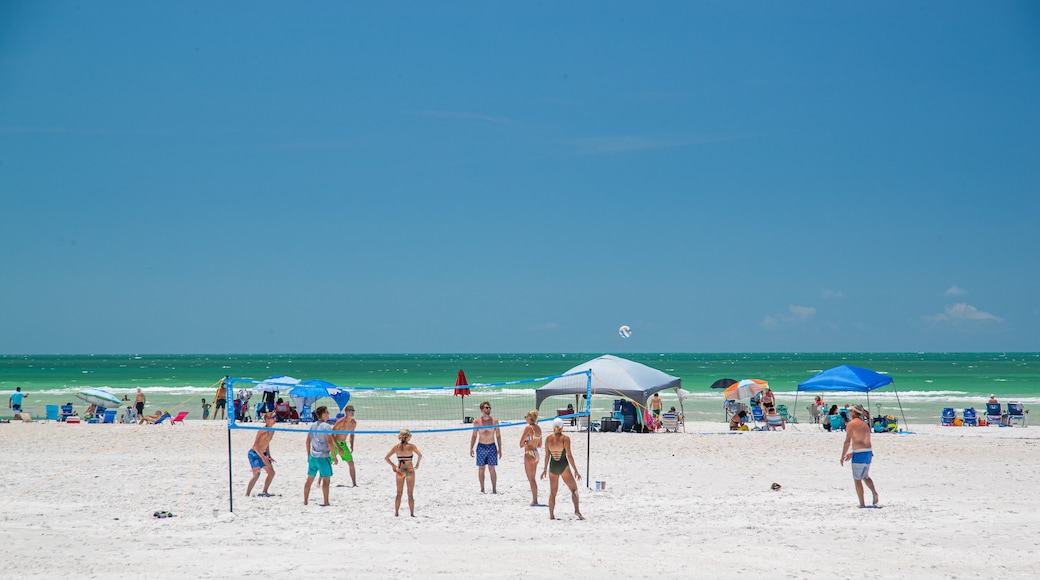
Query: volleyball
{"x":625,"y":332}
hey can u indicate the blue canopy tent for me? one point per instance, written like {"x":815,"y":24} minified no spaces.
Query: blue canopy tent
{"x":848,"y":378}
{"x":306,"y":393}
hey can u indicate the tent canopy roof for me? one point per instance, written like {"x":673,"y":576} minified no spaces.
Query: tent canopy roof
{"x":612,"y":376}
{"x":846,"y":378}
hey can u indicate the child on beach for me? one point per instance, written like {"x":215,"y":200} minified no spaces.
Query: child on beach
{"x":205,"y":409}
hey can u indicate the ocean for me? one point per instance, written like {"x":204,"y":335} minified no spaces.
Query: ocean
{"x":924,"y":382}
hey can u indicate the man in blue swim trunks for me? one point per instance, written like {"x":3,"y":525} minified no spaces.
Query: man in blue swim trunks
{"x":15,"y":402}
{"x":260,"y":457}
{"x":489,"y":450}
{"x":857,"y":436}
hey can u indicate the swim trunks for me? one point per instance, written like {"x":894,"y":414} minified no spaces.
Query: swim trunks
{"x":221,"y":403}
{"x":320,"y":466}
{"x":16,"y":407}
{"x":140,"y":408}
{"x":254,"y":459}
{"x":861,"y":464}
{"x":344,"y":451}
{"x":487,"y":454}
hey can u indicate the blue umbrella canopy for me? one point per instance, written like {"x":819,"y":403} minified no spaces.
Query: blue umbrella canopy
{"x":846,"y":378}
{"x":309,"y":391}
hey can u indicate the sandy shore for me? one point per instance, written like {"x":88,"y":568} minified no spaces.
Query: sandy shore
{"x":79,"y":500}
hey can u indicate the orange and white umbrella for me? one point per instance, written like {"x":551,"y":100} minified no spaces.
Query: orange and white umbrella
{"x":745,"y":389}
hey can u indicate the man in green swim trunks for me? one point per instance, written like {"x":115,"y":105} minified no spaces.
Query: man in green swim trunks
{"x":345,"y":450}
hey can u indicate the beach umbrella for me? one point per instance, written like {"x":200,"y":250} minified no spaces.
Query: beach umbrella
{"x":722,"y":384}
{"x":745,"y":389}
{"x":461,"y":390}
{"x":314,"y":389}
{"x":99,"y":398}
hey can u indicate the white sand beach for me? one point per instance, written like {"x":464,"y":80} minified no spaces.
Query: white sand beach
{"x":78,"y":500}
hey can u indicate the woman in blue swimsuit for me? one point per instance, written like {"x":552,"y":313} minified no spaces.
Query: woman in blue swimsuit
{"x":558,"y":462}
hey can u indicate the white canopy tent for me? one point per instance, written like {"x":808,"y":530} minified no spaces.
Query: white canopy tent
{"x":614,"y":376}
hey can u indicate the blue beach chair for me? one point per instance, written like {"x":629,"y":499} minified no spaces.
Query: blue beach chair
{"x":993,"y":413}
{"x":1016,"y":413}
{"x":758,"y":415}
{"x":53,"y":413}
{"x":948,"y":415}
{"x":110,"y":416}
{"x":970,"y":418}
{"x":837,"y":422}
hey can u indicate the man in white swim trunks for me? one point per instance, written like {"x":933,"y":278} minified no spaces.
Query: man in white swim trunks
{"x":857,"y":435}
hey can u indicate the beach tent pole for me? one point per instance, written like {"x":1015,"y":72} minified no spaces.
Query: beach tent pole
{"x":901,"y":414}
{"x":794,"y":412}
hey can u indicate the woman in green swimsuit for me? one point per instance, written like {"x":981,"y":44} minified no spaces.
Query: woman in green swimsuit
{"x":405,"y":469}
{"x":558,"y":462}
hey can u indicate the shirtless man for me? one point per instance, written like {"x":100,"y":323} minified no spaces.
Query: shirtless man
{"x":857,"y":434}
{"x":489,"y":451}
{"x":345,"y":450}
{"x":260,"y":457}
{"x":655,"y":407}
{"x":139,"y":405}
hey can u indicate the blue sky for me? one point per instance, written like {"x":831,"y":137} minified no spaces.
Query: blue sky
{"x":527,"y":177}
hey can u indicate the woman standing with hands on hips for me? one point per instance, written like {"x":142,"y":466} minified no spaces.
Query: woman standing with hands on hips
{"x":405,"y":468}
{"x":559,"y":462}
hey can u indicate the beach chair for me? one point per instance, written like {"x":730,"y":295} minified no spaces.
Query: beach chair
{"x":109,"y":416}
{"x":782,"y":411}
{"x":1016,"y":412}
{"x":948,"y":417}
{"x":758,"y":415}
{"x":179,"y":418}
{"x":774,"y":422}
{"x":53,"y":413}
{"x":161,"y":419}
{"x":670,"y":422}
{"x":129,"y":416}
{"x":66,"y":412}
{"x":814,"y":412}
{"x":970,"y":418}
{"x":993,"y":413}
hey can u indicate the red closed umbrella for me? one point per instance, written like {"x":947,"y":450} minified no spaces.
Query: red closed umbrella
{"x":461,"y":390}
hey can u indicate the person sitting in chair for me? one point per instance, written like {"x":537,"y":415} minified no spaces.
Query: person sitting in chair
{"x":736,"y":422}
{"x":152,"y":419}
{"x":281,"y":410}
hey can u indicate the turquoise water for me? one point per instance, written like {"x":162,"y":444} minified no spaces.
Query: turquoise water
{"x":926,"y":382}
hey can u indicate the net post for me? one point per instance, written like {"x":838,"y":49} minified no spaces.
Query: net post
{"x":588,"y":430}
{"x":231,"y":418}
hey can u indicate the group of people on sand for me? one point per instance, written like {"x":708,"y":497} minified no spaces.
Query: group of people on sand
{"x":404,"y":458}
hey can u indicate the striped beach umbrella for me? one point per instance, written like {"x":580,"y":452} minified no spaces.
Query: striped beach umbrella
{"x":745,"y":389}
{"x":99,"y":398}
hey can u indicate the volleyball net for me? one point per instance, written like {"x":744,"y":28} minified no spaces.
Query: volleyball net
{"x":388,"y":410}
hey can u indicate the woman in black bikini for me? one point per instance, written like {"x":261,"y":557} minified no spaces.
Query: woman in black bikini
{"x":559,"y":462}
{"x":405,"y":469}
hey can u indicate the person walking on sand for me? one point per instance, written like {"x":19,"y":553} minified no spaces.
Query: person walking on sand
{"x":15,"y":402}
{"x":489,"y":450}
{"x":559,"y":461}
{"x":319,"y":446}
{"x":139,"y":405}
{"x":531,"y":442}
{"x":345,"y":450}
{"x":260,"y":457}
{"x":220,"y":400}
{"x":857,"y":435}
{"x":405,"y":469}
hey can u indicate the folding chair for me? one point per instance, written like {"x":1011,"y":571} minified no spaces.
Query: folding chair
{"x":1016,"y":413}
{"x":970,"y":418}
{"x":948,"y":416}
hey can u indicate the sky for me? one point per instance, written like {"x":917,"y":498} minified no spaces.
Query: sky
{"x":409,"y":177}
